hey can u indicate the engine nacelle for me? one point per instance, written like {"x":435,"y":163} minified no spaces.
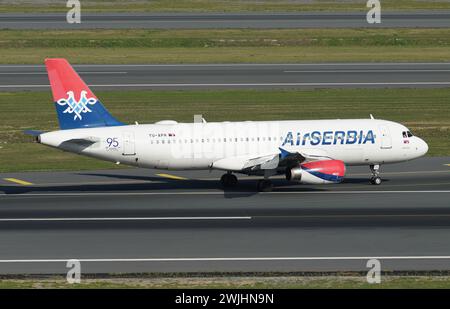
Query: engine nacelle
{"x":317,"y":172}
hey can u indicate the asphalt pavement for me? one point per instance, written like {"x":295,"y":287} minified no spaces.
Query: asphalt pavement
{"x":423,"y":19}
{"x":221,"y":76}
{"x":138,"y":220}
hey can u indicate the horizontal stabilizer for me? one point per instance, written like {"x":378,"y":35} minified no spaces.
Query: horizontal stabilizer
{"x":33,"y":132}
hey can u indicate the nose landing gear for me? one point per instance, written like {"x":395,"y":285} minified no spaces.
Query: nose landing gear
{"x":375,"y":179}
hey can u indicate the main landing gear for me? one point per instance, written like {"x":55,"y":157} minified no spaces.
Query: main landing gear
{"x":228,"y":180}
{"x":264,"y":185}
{"x":376,"y":179}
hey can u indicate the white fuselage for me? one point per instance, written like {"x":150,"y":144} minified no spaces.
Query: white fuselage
{"x":171,"y":145}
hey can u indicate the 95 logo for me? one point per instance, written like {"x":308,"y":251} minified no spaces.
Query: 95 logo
{"x":112,"y":143}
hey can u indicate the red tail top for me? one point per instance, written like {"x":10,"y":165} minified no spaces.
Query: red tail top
{"x":63,"y":79}
{"x":76,"y":105}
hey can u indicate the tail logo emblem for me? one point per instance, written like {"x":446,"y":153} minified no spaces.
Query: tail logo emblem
{"x":77,"y":107}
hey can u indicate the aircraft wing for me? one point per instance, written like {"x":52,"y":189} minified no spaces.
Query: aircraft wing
{"x":252,"y":162}
{"x":309,"y":154}
{"x":270,"y":160}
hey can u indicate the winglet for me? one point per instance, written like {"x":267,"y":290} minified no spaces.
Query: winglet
{"x":284,"y":153}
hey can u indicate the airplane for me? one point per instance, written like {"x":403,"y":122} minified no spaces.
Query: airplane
{"x":304,"y":151}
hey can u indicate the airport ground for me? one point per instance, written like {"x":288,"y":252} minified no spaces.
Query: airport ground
{"x":220,"y":6}
{"x":143,"y":220}
{"x":346,"y":280}
{"x":128,"y":220}
{"x":226,"y":46}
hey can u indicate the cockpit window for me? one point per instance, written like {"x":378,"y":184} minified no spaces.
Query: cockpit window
{"x":406,"y":134}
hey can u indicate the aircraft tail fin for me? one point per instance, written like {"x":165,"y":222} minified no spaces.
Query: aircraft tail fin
{"x":76,"y":105}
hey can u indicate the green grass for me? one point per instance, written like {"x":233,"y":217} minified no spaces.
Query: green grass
{"x":196,"y":38}
{"x":292,"y":282}
{"x":214,"y":46}
{"x":219,"y":5}
{"x":425,"y":111}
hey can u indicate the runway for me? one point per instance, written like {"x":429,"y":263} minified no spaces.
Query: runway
{"x":210,"y":76}
{"x":424,"y":19}
{"x":136,"y":220}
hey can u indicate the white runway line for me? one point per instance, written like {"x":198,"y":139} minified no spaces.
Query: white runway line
{"x":15,"y":195}
{"x":243,"y":259}
{"x":121,"y":219}
{"x":250,"y":84}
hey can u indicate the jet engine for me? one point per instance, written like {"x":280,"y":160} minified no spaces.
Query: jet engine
{"x":317,"y":172}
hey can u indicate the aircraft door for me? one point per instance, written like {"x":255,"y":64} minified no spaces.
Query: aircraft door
{"x":128,"y":144}
{"x":386,"y":140}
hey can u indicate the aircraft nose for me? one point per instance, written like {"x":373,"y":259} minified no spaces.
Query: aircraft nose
{"x":422,"y":147}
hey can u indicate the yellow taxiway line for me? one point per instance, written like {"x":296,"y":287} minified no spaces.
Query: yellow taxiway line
{"x":171,"y":176}
{"x":18,"y":181}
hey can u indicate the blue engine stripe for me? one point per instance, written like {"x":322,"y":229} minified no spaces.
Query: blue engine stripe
{"x":328,"y":177}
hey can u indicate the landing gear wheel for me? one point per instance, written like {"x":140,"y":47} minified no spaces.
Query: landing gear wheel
{"x":228,"y":180}
{"x":264,"y":185}
{"x":375,"y":180}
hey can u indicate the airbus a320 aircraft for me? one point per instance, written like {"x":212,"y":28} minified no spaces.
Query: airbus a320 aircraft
{"x":310,"y":152}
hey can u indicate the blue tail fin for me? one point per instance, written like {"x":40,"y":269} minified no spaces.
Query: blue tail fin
{"x":76,"y":105}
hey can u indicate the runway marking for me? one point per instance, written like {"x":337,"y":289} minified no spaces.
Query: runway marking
{"x":220,"y":193}
{"x":246,"y":178}
{"x":121,"y":219}
{"x":251,"y":84}
{"x":214,"y":259}
{"x":171,"y":176}
{"x":18,"y":181}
